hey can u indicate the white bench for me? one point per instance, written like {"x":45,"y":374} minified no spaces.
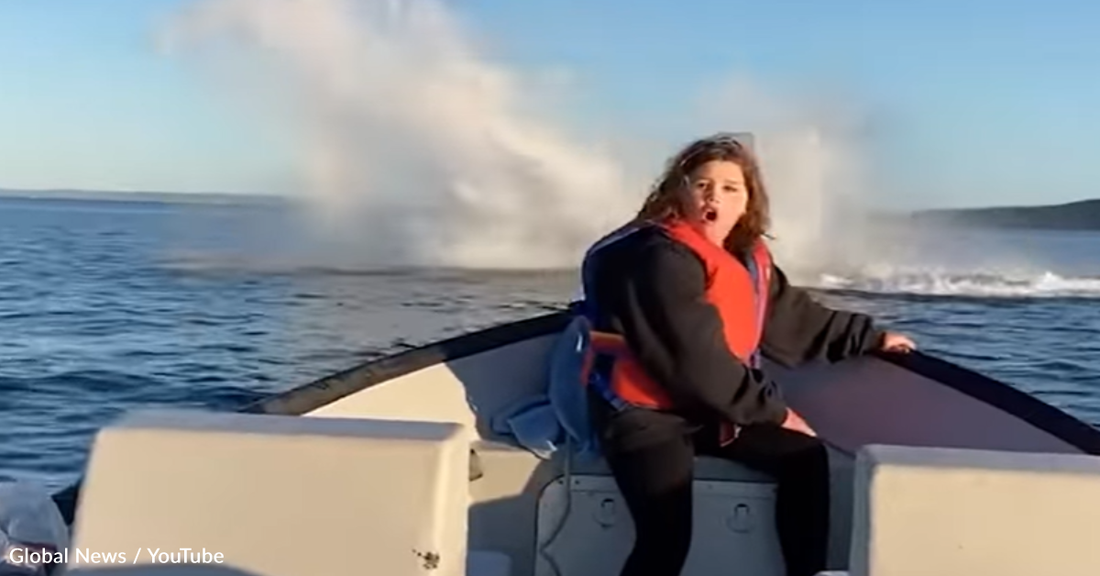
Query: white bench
{"x":281,"y":495}
{"x":954,"y":512}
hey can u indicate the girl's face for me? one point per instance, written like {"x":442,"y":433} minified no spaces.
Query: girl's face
{"x":715,"y":198}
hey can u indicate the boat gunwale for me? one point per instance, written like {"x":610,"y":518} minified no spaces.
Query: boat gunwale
{"x":1000,"y":395}
{"x":312,"y":395}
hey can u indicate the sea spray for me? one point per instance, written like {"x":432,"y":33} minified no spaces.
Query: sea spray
{"x":812,"y":153}
{"x":416,"y":149}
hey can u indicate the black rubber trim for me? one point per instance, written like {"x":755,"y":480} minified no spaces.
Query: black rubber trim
{"x":1002,"y":396}
{"x":316,"y":394}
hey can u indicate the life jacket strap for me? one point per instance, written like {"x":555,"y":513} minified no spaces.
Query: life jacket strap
{"x":761,"y":282}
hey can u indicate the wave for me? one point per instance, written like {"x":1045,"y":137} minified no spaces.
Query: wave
{"x":934,"y":282}
{"x":294,"y":265}
{"x":318,"y":265}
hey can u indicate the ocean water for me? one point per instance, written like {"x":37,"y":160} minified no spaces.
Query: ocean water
{"x":111,"y":306}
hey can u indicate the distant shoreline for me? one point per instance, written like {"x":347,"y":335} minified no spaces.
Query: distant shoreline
{"x":223,"y":198}
{"x":1079,"y":215}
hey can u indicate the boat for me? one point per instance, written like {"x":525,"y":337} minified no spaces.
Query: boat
{"x":405,"y":465}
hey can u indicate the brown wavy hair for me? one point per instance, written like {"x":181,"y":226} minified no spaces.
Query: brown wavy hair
{"x":662,"y":202}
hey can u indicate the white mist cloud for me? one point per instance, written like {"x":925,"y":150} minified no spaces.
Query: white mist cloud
{"x":811,"y":152}
{"x":417,"y":150}
{"x":414,"y":147}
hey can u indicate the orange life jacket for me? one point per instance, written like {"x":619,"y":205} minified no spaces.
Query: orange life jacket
{"x":739,"y":294}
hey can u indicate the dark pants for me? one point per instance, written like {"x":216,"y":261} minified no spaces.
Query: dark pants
{"x":652,"y":458}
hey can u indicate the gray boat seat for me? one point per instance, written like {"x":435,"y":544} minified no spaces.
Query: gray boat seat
{"x":503,"y":458}
{"x":282,"y":495}
{"x":488,"y":563}
{"x":507,"y":493}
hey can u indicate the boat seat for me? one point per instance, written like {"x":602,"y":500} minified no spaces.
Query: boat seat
{"x":961,"y":512}
{"x":706,"y":468}
{"x":488,"y":563}
{"x":281,"y":495}
{"x":497,"y":457}
{"x":505,"y":496}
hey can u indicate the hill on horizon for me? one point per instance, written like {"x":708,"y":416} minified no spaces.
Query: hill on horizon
{"x":1077,"y":215}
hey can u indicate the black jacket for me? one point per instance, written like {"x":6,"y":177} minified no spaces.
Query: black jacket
{"x":650,"y":289}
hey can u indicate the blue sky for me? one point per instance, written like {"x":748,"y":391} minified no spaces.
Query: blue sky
{"x":972,"y":102}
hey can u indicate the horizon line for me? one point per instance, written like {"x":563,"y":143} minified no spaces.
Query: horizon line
{"x":124,"y":195}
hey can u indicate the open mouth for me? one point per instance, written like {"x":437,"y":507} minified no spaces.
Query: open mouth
{"x":710,"y":215}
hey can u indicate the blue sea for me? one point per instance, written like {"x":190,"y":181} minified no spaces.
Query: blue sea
{"x":107,"y":306}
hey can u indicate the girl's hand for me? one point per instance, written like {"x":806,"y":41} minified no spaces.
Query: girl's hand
{"x":894,"y":342}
